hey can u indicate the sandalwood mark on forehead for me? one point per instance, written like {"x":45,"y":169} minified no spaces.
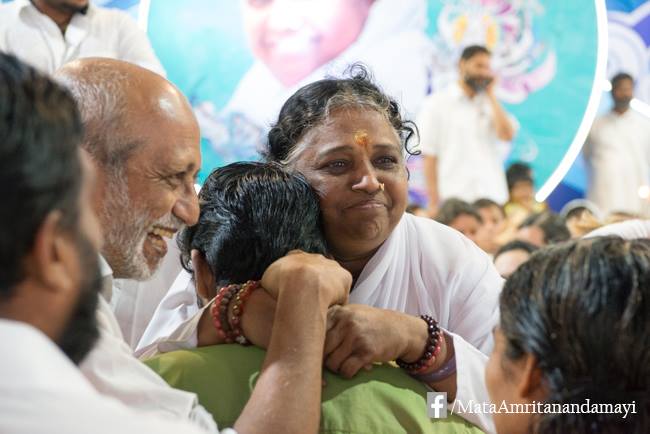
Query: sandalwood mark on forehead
{"x":361,"y":138}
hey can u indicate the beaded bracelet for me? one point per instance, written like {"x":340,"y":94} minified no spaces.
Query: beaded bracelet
{"x":444,"y":372}
{"x":238,"y":310}
{"x":219,"y":311}
{"x":431,"y":350}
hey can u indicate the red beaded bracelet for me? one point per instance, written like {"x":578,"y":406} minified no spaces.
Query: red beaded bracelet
{"x":431,"y":350}
{"x":238,"y":310}
{"x":219,"y":311}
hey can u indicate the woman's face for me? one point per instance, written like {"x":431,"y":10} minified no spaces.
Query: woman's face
{"x":354,"y":161}
{"x":507,"y":383}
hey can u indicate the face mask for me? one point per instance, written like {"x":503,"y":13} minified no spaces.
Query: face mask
{"x":622,"y":103}
{"x":477,"y":83}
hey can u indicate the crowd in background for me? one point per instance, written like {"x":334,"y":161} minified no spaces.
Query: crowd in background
{"x":521,"y":224}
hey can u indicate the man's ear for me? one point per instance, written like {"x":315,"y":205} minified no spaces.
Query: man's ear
{"x":53,"y":258}
{"x":530,"y":383}
{"x":204,"y":280}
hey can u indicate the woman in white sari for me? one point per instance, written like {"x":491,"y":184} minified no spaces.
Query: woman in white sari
{"x":348,"y":139}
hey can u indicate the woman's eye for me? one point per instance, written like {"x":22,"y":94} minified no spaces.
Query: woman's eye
{"x":336,"y":165}
{"x":386,"y":161}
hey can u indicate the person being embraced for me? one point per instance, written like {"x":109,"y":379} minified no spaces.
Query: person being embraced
{"x":273,"y":211}
{"x":575,"y":329}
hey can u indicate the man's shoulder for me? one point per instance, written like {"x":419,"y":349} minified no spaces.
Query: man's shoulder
{"x":111,"y":16}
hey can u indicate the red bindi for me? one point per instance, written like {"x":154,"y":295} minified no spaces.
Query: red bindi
{"x":361,"y":139}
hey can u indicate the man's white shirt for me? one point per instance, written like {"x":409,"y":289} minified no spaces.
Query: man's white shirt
{"x":113,"y":370}
{"x":617,"y":153}
{"x":44,"y":392}
{"x":460,"y":132}
{"x":35,"y":38}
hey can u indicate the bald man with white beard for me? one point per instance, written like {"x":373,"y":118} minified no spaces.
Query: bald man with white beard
{"x":144,"y":141}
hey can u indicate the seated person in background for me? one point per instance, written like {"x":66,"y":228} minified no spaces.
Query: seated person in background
{"x":620,"y":216}
{"x":628,"y":229}
{"x":494,"y":224}
{"x":461,"y":216}
{"x":581,"y":217}
{"x":542,"y":229}
{"x":521,"y":193}
{"x":511,"y":255}
{"x":417,"y":210}
{"x":575,"y":331}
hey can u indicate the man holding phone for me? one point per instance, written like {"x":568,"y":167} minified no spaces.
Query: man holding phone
{"x":462,"y":130}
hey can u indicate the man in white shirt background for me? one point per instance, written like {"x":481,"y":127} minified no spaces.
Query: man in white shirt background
{"x":50,"y":33}
{"x":617,"y":153}
{"x":462,"y":133}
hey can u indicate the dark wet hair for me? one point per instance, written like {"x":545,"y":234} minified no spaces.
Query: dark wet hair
{"x":552,"y":225}
{"x":40,"y":170}
{"x":312,"y":104}
{"x":582,"y":309}
{"x":618,"y":78}
{"x":472,"y":50}
{"x":518,"y":172}
{"x":252,"y":214}
{"x":453,"y":208}
{"x":516,"y":245}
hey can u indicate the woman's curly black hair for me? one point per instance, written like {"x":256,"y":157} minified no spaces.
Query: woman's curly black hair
{"x":312,"y":104}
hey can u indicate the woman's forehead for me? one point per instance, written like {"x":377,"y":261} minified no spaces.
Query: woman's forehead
{"x":354,"y":127}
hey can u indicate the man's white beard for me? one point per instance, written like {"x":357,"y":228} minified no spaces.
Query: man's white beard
{"x":126,"y":229}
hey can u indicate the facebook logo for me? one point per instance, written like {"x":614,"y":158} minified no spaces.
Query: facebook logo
{"x":437,"y":404}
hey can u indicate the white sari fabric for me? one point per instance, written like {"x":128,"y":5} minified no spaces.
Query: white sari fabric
{"x":422,"y":268}
{"x":428,"y":268}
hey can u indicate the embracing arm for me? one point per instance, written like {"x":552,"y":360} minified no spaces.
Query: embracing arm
{"x":287,"y":396}
{"x":256,"y":322}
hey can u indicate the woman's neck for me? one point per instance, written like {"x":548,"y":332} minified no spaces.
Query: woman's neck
{"x":355,"y":263}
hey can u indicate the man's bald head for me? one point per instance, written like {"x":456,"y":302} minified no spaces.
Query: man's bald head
{"x":142,"y":134}
{"x":108,"y":93}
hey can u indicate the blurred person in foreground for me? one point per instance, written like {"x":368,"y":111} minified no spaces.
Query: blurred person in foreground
{"x":573,"y":341}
